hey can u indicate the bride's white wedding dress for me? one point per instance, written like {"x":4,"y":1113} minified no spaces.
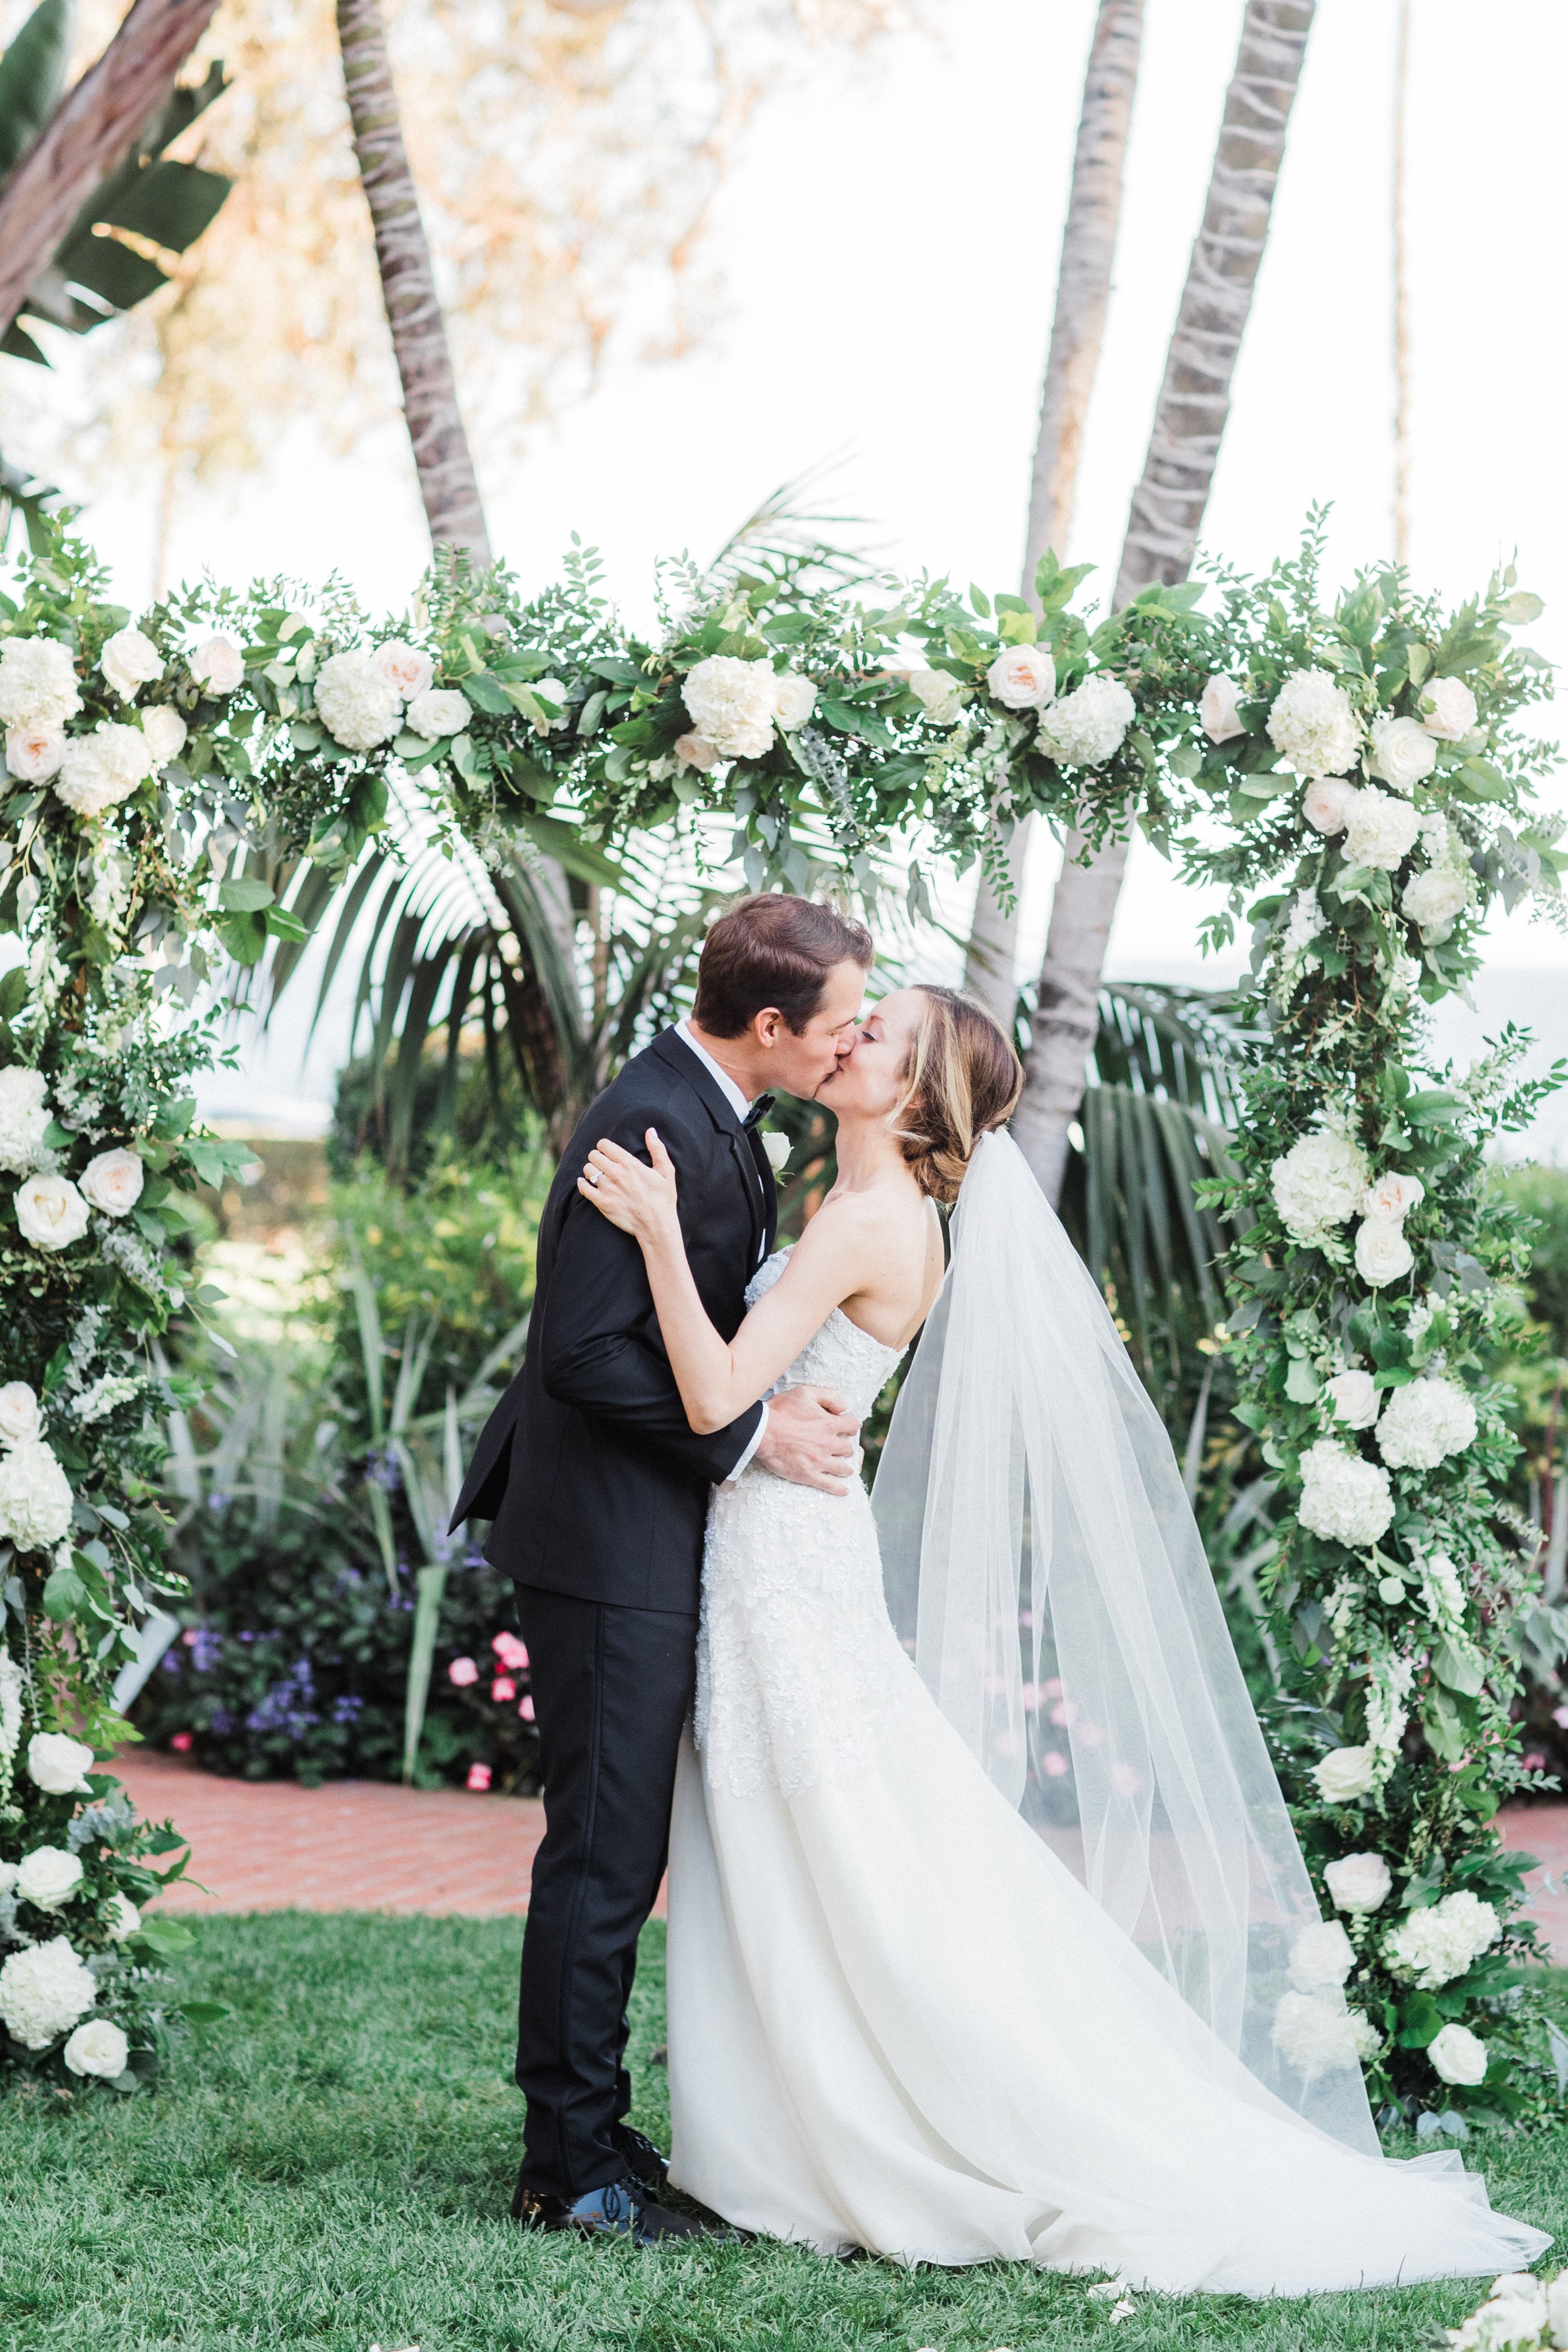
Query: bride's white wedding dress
{"x":898,"y":2021}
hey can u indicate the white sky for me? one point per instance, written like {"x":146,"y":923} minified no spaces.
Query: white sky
{"x":892,"y":241}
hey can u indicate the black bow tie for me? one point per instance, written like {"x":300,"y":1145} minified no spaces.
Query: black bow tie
{"x":757,"y":1113}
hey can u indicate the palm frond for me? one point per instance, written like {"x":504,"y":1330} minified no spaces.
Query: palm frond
{"x":789,"y":536}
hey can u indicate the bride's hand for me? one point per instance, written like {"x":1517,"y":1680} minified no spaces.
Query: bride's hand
{"x":640,"y":1200}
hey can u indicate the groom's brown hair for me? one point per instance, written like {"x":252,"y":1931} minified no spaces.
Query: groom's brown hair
{"x":772,"y":952}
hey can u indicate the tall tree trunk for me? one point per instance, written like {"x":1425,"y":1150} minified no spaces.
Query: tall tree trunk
{"x":447,"y":483}
{"x":1078,"y":329}
{"x":91,"y":133}
{"x":1401,"y":297}
{"x":1162,"y":526}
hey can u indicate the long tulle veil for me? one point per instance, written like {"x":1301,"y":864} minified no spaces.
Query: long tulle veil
{"x":1044,"y":1568}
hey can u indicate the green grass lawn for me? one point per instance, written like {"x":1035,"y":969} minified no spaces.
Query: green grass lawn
{"x":334,"y":2167}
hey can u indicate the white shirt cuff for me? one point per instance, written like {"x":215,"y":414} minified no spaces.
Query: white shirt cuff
{"x":745,"y":1458}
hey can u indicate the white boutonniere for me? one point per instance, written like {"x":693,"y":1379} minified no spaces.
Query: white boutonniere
{"x":778,"y":1148}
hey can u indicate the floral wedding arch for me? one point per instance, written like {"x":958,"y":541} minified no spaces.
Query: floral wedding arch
{"x":183,"y":788}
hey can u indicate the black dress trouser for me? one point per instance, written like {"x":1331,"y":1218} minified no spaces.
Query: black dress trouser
{"x":612,"y":1690}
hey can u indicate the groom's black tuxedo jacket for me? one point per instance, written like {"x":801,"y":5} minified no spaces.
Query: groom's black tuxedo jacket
{"x":595,"y":1483}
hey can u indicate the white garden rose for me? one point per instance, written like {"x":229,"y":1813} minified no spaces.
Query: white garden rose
{"x":1430,"y":1947}
{"x":355,"y":702}
{"x":1401,"y":752}
{"x":1318,"y":1183}
{"x":121,"y":1918}
{"x":795,"y":699}
{"x":694,"y":750}
{"x":112,"y":1183}
{"x":33,"y":754}
{"x":406,"y":670}
{"x":1345,"y":1774}
{"x":35,"y":1497}
{"x":58,"y":1764}
{"x":1312,"y":724}
{"x":218,"y":663}
{"x":1321,"y":1956}
{"x":1316,"y":2036}
{"x":24,"y":1117}
{"x":1381,"y":1252}
{"x":730,"y":705}
{"x":1434,"y":896}
{"x":940,"y":695}
{"x":1511,"y":2319}
{"x":1343,"y":1499}
{"x":1358,"y":1883}
{"x":43,"y":1991}
{"x":439,"y":711}
{"x":100,"y":770}
{"x":1024,"y":678}
{"x":1392,"y":1196}
{"x":1326,"y":804}
{"x":99,"y":2048}
{"x":50,"y":1211}
{"x":49,"y":1877}
{"x":1458,"y":2055}
{"x":1557,"y":2308}
{"x":129,"y":660}
{"x":778,"y":1148}
{"x":21,"y":1422}
{"x":37,"y":683}
{"x":1448,"y":708}
{"x":1424,"y":1422}
{"x":1356,"y":1399}
{"x":166,"y":732}
{"x":1217,"y":711}
{"x":1085,"y":726}
{"x":1380,"y":830}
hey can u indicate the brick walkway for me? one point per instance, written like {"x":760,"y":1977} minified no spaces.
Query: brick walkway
{"x":362,"y":1845}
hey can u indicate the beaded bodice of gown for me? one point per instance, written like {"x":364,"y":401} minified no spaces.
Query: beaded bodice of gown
{"x":797,"y":1658}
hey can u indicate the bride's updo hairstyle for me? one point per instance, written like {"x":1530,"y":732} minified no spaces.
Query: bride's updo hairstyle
{"x":964,"y":1079}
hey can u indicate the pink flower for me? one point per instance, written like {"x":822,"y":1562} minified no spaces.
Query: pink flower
{"x":513,"y":1654}
{"x":1031,"y":1697}
{"x":526,"y":1710}
{"x":1126,"y":1779}
{"x":1064,"y":1712}
{"x":189,"y":1637}
{"x":1090,"y":1734}
{"x":502,"y":1687}
{"x":1053,"y":1689}
{"x":181,"y":1743}
{"x":462,"y":1671}
{"x":1534,"y":1762}
{"x":479,"y":1777}
{"x":1055,"y":1763}
{"x":1560,"y":1717}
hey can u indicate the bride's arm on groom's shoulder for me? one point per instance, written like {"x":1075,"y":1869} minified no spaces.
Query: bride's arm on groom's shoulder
{"x":718,"y":1377}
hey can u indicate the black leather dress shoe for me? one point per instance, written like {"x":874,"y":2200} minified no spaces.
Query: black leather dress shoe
{"x":644,"y":2162}
{"x":622,"y":2209}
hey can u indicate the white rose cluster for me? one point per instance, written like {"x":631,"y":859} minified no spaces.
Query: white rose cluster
{"x":406,"y":670}
{"x":1424,"y":1422}
{"x":732,"y":705}
{"x":130,"y":661}
{"x":1343,"y":1499}
{"x":1430,"y":1947}
{"x":1316,"y":2037}
{"x":112,"y":1183}
{"x":218,"y":663}
{"x":50,"y":1211}
{"x":1321,"y":1956}
{"x":37,"y":683}
{"x":356,"y":701}
{"x":97,"y":2048}
{"x":1318,"y":1183}
{"x":1087,"y":727}
{"x":1354,"y":1397}
{"x":43,"y":1990}
{"x":1448,"y":709}
{"x":21,"y":1422}
{"x":96,"y":772}
{"x":1313,"y":725}
{"x":1402,"y":752}
{"x":1436,"y":895}
{"x":58,"y":1764}
{"x":1380,"y":830}
{"x":1024,"y":678}
{"x":1326,"y":804}
{"x":1383,"y":1254}
{"x":1358,"y":1883}
{"x":1346,"y":1775}
{"x":1521,"y":2312}
{"x":1218,"y":711}
{"x":1457,"y":2055}
{"x":438,"y":712}
{"x":23,"y":1117}
{"x":49,"y":1877}
{"x":940,"y":695}
{"x":166,"y":732}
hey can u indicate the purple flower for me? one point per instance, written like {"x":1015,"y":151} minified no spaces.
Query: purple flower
{"x":348,"y":1708}
{"x":384,"y":1470}
{"x":207,"y":1648}
{"x":287,"y":1705}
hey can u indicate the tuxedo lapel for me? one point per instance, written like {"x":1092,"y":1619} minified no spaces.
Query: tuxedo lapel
{"x":744,"y":1148}
{"x":770,"y":1190}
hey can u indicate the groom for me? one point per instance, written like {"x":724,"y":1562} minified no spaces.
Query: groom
{"x":598,"y":1491}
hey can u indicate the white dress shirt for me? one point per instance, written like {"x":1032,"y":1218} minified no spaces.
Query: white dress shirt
{"x":741,"y":1105}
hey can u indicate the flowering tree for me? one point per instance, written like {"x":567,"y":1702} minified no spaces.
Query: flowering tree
{"x":183,"y":789}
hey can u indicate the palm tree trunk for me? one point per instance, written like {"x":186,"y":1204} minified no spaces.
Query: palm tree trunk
{"x":447,"y":483}
{"x":89,"y":134}
{"x":1166,"y":515}
{"x":1078,"y":329}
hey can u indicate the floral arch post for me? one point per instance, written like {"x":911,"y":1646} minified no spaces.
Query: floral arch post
{"x":183,"y":789}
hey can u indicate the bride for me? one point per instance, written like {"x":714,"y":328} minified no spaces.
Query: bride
{"x":989,"y":1936}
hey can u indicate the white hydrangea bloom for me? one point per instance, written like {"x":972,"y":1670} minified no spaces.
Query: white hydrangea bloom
{"x":1087,"y":727}
{"x":1380,"y":830}
{"x":43,"y":1991}
{"x":1424,"y":1421}
{"x":1512,"y":2317}
{"x":1402,"y":754}
{"x":1429,"y":1949}
{"x":1321,"y":1956}
{"x":37,"y":683}
{"x":24,"y":1117}
{"x":100,"y":770}
{"x":1312,"y":724}
{"x":1315,"y":2036}
{"x":358,"y":706}
{"x":35,"y":1498}
{"x":730,"y":705}
{"x":1343,"y":1499}
{"x":1318,"y":1183}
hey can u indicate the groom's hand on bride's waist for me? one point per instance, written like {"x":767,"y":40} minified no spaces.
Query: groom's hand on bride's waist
{"x":812,"y":1439}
